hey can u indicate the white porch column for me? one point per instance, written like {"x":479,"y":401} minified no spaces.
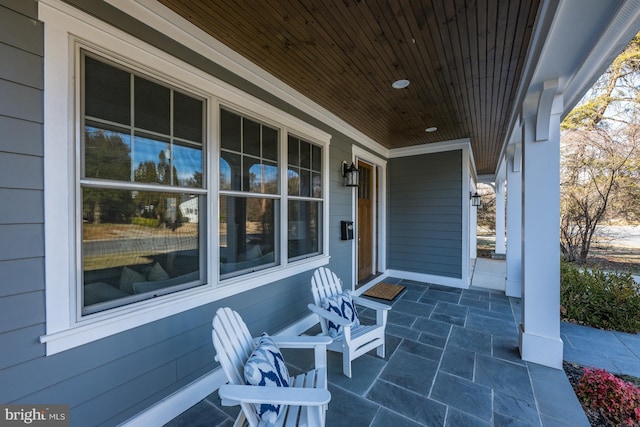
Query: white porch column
{"x":500,"y":249}
{"x":514,"y":224}
{"x":540,"y":329}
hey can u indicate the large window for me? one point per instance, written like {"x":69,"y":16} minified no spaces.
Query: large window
{"x":158,"y":200}
{"x":141,"y":188}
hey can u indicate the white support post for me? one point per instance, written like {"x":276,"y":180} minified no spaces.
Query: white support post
{"x":540,"y":340}
{"x":500,"y":249}
{"x":514,"y":224}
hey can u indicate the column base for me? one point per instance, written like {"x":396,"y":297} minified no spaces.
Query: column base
{"x":495,"y":255}
{"x":547,"y":351}
{"x":513,"y":288}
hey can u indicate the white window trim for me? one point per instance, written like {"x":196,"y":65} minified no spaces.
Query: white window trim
{"x":64,"y":25}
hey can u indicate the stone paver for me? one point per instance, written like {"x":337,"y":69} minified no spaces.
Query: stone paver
{"x":617,"y":352}
{"x":452,"y":360}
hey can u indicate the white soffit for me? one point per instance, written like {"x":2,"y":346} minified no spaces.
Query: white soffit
{"x":585,"y":36}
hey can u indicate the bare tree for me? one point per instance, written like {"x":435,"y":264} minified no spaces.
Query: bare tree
{"x":615,"y":96}
{"x":599,"y":166}
{"x":487,"y":210}
{"x":594,"y":166}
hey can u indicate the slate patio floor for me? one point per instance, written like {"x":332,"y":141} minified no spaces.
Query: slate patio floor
{"x":452,"y":360}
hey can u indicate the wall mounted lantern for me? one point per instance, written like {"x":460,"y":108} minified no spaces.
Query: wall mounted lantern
{"x":475,"y":199}
{"x":350,"y":174}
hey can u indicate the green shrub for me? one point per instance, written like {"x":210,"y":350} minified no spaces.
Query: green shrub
{"x":601,"y":299}
{"x":146,"y":222}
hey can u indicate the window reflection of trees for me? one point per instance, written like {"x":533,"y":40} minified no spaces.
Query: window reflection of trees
{"x":107,"y":157}
{"x":140,"y":138}
{"x":303,"y":228}
{"x":248,"y":164}
{"x":247,"y":233}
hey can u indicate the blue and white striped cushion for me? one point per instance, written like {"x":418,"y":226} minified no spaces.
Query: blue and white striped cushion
{"x":266,"y":367}
{"x":342,"y":305}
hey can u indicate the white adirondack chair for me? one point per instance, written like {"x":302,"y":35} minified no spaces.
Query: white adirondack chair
{"x":304,"y":403}
{"x":353,"y":341}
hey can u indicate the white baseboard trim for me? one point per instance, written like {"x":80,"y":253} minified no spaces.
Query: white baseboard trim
{"x":428,"y":278}
{"x":179,"y":401}
{"x":176,"y":403}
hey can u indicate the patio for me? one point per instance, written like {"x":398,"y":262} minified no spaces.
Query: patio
{"x":452,"y":360}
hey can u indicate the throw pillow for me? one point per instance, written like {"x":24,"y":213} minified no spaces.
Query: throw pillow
{"x":266,"y":367}
{"x":157,"y":273}
{"x":128,"y":277}
{"x":342,"y":305}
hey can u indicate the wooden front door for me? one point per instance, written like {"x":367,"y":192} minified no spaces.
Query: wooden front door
{"x":365,"y":221}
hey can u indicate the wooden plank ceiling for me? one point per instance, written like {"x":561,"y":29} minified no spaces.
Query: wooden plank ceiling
{"x":464,"y":59}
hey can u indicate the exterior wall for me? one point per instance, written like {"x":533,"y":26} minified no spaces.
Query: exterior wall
{"x":341,"y":199}
{"x":112,"y":379}
{"x":425,"y":214}
{"x":21,"y":185}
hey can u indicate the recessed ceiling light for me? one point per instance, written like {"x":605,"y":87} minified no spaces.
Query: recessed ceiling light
{"x":400,"y":84}
{"x":431,"y":129}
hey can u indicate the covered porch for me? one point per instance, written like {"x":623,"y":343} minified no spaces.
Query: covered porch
{"x":293,"y":91}
{"x":452,"y":360}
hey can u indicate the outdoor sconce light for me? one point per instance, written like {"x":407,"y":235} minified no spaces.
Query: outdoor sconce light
{"x":350,"y":174}
{"x":475,"y":199}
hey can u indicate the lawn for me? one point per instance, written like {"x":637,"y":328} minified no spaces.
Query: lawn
{"x":612,"y":252}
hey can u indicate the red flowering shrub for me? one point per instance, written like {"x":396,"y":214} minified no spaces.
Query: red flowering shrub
{"x":617,"y":400}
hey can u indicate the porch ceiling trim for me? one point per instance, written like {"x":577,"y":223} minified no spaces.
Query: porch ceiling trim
{"x":154,"y":14}
{"x":436,"y":147}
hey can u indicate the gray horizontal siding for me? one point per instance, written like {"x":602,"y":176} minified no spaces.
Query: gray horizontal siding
{"x":103,"y":380}
{"x":20,"y":66}
{"x":23,"y":345}
{"x":117,"y":372}
{"x":99,"y":410}
{"x":429,"y":223}
{"x":21,"y":241}
{"x":21,"y":206}
{"x":425,"y":231}
{"x":29,"y":8}
{"x":20,"y":171}
{"x":194,"y":361}
{"x":425,"y":214}
{"x":20,"y":30}
{"x":21,"y":310}
{"x":21,"y":136}
{"x":21,"y":275}
{"x":21,"y":101}
{"x":22,"y":305}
